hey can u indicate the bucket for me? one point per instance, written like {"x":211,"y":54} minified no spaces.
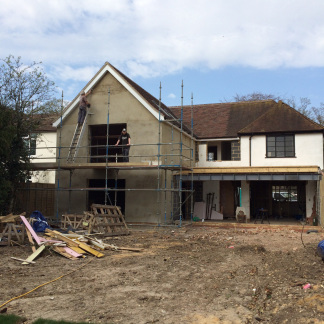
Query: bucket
{"x":211,"y":156}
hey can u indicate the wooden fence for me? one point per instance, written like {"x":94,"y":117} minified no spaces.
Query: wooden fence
{"x":36,"y":196}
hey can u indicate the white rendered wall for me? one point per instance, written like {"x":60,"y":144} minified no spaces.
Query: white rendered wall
{"x":203,"y":156}
{"x":45,"y":152}
{"x":308,"y":151}
{"x":245,"y":192}
{"x":310,"y":193}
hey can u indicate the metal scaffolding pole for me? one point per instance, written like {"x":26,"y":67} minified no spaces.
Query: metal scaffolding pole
{"x":59,"y":162}
{"x":107,"y":146}
{"x":191,"y":162}
{"x":180,"y":171}
{"x":158,"y":209}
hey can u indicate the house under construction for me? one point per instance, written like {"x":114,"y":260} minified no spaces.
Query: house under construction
{"x":259,"y":158}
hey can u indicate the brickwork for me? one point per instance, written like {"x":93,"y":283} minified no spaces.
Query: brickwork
{"x":235,"y":151}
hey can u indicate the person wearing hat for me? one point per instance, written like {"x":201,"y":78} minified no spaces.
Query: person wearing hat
{"x":83,"y":107}
{"x":125,"y":140}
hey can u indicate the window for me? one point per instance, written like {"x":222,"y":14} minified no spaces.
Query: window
{"x":284,"y":193}
{"x":30,"y":142}
{"x":212,"y":153}
{"x":281,"y":146}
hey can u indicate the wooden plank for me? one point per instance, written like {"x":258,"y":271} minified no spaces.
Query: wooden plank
{"x":35,"y":254}
{"x":32,"y":232}
{"x":89,"y":249}
{"x":60,"y":250}
{"x":286,"y":169}
{"x":10,"y":218}
{"x":72,"y":252}
{"x":22,"y":260}
{"x":62,"y":237}
{"x":30,"y":239}
{"x":48,"y":241}
{"x":77,"y":249}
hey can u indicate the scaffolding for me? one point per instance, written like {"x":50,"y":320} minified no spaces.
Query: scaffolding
{"x":169,"y":162}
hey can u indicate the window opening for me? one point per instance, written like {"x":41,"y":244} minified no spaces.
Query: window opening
{"x":99,"y":140}
{"x":212,"y":153}
{"x":281,"y":146}
{"x":226,"y":151}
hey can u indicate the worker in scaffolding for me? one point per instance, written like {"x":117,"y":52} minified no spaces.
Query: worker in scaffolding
{"x":125,"y":141}
{"x":84,"y":104}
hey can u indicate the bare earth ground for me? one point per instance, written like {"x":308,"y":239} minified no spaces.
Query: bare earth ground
{"x":184,"y":275}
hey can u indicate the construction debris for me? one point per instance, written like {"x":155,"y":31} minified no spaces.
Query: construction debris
{"x":104,"y":220}
{"x":10,"y":229}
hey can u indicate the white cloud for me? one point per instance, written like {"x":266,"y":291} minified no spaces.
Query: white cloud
{"x":152,"y":37}
{"x":172,"y":96}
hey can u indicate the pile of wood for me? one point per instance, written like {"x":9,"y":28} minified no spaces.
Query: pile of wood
{"x":70,"y":245}
{"x":104,"y":219}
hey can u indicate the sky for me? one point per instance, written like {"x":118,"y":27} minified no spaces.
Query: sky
{"x":217,"y":48}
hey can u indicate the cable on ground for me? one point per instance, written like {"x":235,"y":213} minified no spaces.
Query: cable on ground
{"x":46,"y":283}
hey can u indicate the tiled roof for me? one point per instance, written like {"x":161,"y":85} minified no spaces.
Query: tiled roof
{"x":225,"y":120}
{"x":152,"y":102}
{"x":45,"y":122}
{"x":222,"y":120}
{"x":281,"y":118}
{"x":165,"y":111}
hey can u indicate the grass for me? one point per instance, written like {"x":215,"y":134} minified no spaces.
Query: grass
{"x":10,"y":319}
{"x":13,"y":319}
{"x":46,"y":321}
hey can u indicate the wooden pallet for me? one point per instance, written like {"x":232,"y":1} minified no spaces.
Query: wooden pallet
{"x":107,"y":220}
{"x":76,"y":221}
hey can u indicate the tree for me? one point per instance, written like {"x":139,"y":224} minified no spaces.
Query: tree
{"x":25,"y":92}
{"x":303,"y":105}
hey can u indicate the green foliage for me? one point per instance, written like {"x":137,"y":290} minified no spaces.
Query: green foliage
{"x":13,"y":319}
{"x":46,"y":321}
{"x":25,"y":94}
{"x":10,"y":319}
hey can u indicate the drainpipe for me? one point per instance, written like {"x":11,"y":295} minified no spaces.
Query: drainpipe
{"x":250,"y":150}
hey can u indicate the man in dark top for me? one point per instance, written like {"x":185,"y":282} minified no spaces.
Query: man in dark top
{"x":125,"y":140}
{"x":83,"y":107}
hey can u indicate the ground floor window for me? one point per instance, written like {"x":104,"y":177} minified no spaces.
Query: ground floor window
{"x":284,"y":193}
{"x":283,"y":200}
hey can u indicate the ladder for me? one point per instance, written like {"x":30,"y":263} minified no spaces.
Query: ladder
{"x":76,"y":139}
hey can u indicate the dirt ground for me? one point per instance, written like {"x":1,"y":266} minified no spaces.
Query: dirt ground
{"x":183,"y":275}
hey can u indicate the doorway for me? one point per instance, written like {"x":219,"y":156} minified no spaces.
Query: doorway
{"x":114,"y":197}
{"x":229,"y":197}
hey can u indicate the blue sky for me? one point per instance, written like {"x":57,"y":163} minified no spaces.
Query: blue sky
{"x":219,"y":48}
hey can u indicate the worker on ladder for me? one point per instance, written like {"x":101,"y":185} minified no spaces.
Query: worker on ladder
{"x":84,"y":104}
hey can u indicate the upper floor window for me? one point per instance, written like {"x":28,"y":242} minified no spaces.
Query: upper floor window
{"x":30,"y":142}
{"x":281,"y":146}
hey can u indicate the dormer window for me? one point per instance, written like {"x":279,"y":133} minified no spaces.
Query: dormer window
{"x":281,"y":146}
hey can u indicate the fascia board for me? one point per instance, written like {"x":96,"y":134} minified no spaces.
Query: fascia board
{"x":123,"y":82}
